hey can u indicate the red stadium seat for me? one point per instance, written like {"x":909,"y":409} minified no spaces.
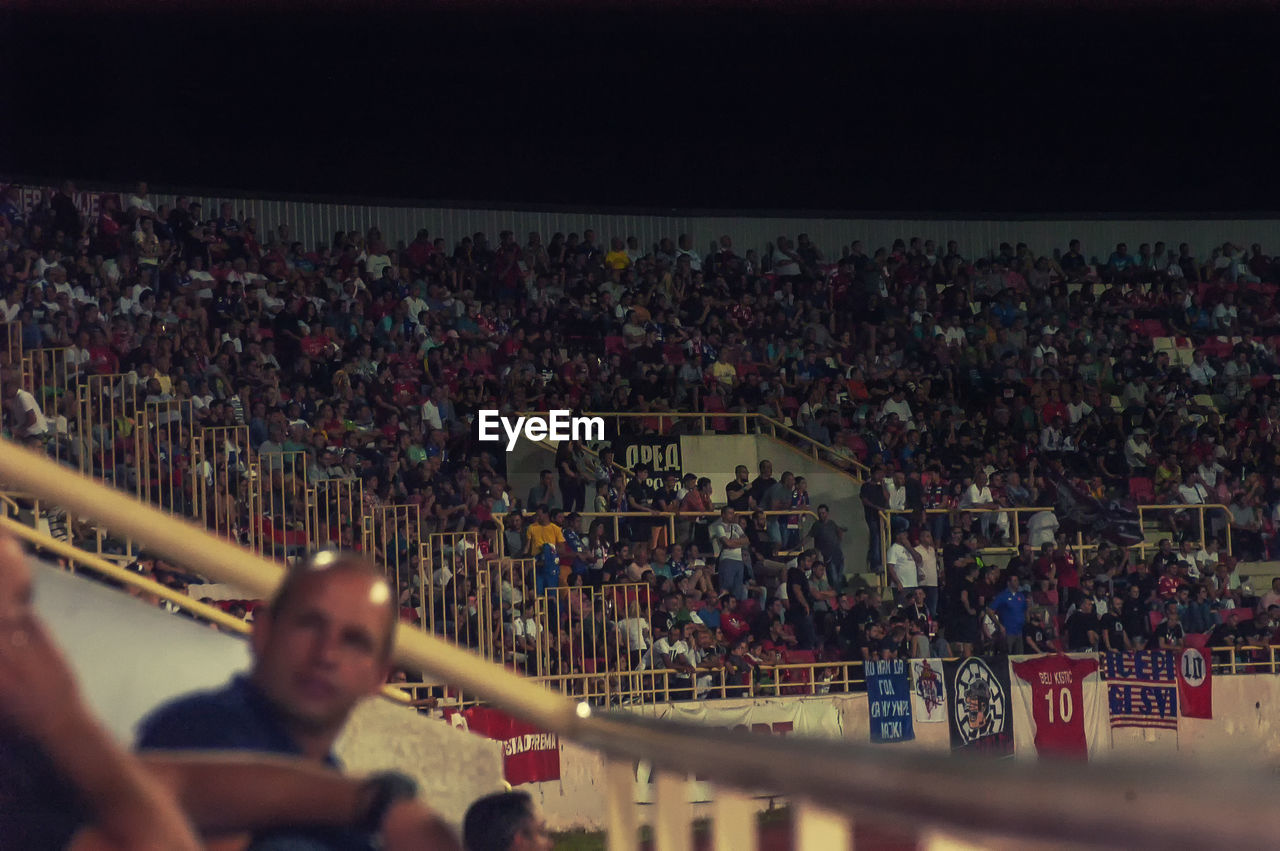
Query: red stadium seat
{"x":1198,"y":640}
{"x":615,"y":345}
{"x":674,"y":354}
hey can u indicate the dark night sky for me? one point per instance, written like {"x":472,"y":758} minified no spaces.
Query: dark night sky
{"x":756,"y":108}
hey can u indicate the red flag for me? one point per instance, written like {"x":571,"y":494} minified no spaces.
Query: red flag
{"x":529,"y":755}
{"x":1195,"y":684}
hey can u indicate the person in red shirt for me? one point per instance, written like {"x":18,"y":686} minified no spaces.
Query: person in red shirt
{"x":1053,"y":409}
{"x":732,"y":623}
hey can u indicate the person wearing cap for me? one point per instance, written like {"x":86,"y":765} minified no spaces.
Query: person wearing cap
{"x":1138,"y":453}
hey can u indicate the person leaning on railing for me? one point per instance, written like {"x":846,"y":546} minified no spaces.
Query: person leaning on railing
{"x":65,"y":784}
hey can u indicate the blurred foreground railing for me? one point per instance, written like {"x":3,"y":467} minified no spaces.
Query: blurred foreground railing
{"x":941,"y":799}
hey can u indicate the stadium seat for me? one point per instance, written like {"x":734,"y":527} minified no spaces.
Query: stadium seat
{"x":1198,"y":640}
{"x":615,"y":345}
{"x":674,"y":354}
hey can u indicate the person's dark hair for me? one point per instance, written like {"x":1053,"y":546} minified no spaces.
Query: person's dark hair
{"x":492,"y":822}
{"x":328,"y":562}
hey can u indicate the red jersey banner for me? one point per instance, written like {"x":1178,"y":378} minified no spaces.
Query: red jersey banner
{"x":529,"y":755}
{"x":1057,"y":703}
{"x":1195,"y":684}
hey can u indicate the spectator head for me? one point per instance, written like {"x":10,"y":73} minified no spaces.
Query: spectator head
{"x":766,"y":469}
{"x":324,"y":642}
{"x":505,"y":821}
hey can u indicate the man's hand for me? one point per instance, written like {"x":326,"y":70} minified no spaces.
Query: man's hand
{"x":37,"y":691}
{"x":409,"y":826}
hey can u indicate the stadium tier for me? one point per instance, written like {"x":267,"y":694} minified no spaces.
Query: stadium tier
{"x":812,"y":457}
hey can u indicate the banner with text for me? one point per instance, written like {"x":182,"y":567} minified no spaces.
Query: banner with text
{"x":529,"y":755}
{"x":889,"y":701}
{"x":660,"y":452}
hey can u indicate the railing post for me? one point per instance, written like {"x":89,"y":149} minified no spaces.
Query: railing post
{"x":820,"y":829}
{"x":673,"y":813}
{"x":620,"y":807}
{"x":733,"y":825}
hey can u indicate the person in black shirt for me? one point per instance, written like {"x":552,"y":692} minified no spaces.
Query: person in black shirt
{"x":1164,"y":559}
{"x":738,"y":491}
{"x":1084,"y":629}
{"x":1169,"y":634}
{"x":800,"y":600}
{"x":1134,"y":615}
{"x":1035,"y":636}
{"x":640,"y":497}
{"x":1020,"y":565}
{"x":763,"y":482}
{"x":1114,"y":636}
{"x":875,"y":498}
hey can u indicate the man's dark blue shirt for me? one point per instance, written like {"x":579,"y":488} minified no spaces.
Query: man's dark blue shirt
{"x":239,"y":717}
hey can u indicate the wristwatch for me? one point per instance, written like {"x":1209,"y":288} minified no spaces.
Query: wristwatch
{"x":379,"y":792}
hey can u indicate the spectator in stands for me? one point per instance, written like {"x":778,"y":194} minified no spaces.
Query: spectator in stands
{"x":505,"y":821}
{"x":1084,"y":629}
{"x":827,"y":536}
{"x":1170,"y":635}
{"x":728,"y":540}
{"x":875,"y":499}
{"x":1011,"y":605}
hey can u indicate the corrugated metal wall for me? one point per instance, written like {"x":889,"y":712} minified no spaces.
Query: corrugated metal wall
{"x":316,"y":222}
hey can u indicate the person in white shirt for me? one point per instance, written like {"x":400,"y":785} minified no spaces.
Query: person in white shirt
{"x":686,"y":250}
{"x":1078,"y":408}
{"x":897,"y":404}
{"x":1137,"y":452}
{"x":26,"y":420}
{"x":1192,"y":492}
{"x":635,"y":631}
{"x":1237,"y":374}
{"x":978,"y":495}
{"x":1226,"y":315}
{"x":903,"y":567}
{"x":1208,"y":472}
{"x":927,"y":570}
{"x":1201,"y":371}
{"x":1042,"y":529}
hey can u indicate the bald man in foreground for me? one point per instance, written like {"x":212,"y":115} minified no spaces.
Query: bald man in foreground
{"x":64,"y":783}
{"x":322,"y":645}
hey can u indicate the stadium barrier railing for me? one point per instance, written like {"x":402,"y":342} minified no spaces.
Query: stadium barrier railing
{"x":830,"y":784}
{"x":617,"y":519}
{"x":1015,"y":522}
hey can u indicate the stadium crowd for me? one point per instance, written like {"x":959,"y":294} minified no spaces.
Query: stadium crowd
{"x":961,"y":382}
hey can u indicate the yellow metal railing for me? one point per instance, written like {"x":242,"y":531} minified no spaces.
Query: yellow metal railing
{"x":1014,"y":522}
{"x":668,"y":520}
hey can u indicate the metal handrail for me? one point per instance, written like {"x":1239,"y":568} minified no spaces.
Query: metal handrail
{"x":670,"y":517}
{"x":886,"y":524}
{"x":1120,"y":806}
